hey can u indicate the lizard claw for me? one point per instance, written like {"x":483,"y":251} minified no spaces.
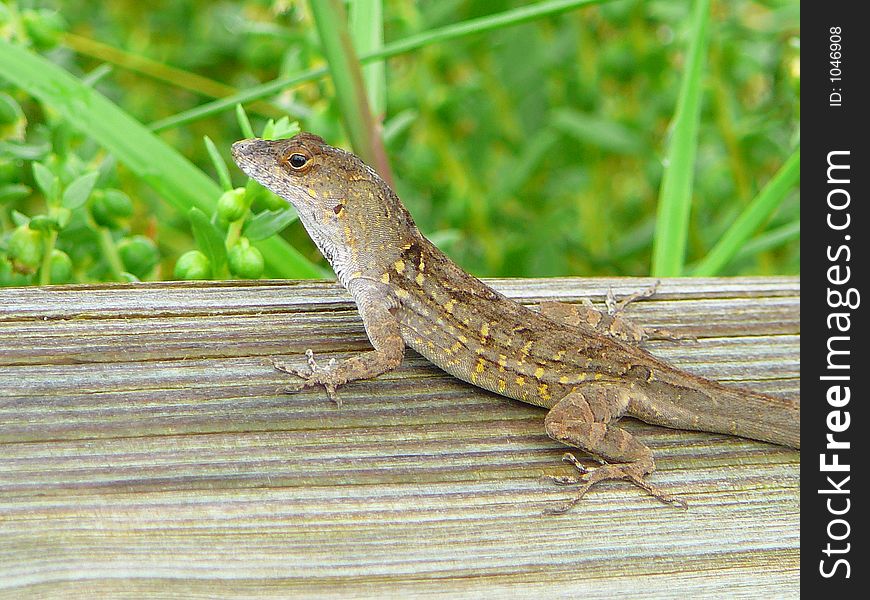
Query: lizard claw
{"x":589,"y":477}
{"x":313,"y":375}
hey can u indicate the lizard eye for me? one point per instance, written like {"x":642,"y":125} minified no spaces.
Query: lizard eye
{"x":297,"y":161}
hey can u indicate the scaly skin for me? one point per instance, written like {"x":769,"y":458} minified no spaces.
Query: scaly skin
{"x":409,"y":293}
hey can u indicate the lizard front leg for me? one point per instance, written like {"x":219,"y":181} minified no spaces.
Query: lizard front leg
{"x":382,"y":329}
{"x":584,"y":419}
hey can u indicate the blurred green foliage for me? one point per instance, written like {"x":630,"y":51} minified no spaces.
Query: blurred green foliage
{"x":532,"y":150}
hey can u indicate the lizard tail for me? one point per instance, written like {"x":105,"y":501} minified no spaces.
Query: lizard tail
{"x":723,"y":409}
{"x":765,"y":418}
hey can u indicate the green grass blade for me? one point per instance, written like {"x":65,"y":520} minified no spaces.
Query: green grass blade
{"x":752,"y":218}
{"x":508,"y":18}
{"x":769,"y":240}
{"x":675,"y":197}
{"x":367,"y":33}
{"x":171,"y":175}
{"x":598,"y":131}
{"x":331,"y":20}
{"x":219,"y":165}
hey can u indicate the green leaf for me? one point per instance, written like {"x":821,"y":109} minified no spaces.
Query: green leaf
{"x":269,"y":222}
{"x":219,"y":165}
{"x":508,"y":18}
{"x":209,"y":240}
{"x":344,"y":67}
{"x":280,"y":129}
{"x":752,"y":217}
{"x":78,"y":192}
{"x":675,"y":196}
{"x":19,"y":219}
{"x":25,"y":151}
{"x":173,"y":177}
{"x":11,"y":192}
{"x":244,"y":122}
{"x":367,"y":32}
{"x":597,"y":130}
{"x":46,"y":181}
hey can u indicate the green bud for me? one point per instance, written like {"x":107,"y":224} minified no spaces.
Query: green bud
{"x":25,"y":248}
{"x":108,"y":206}
{"x":232,"y":205}
{"x":62,"y":216}
{"x":43,"y":223}
{"x":43,"y":27}
{"x":61,"y":266}
{"x":193,"y":265}
{"x":139,"y":255}
{"x":245,"y":261}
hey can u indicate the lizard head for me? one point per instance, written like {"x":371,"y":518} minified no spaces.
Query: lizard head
{"x":350,"y":213}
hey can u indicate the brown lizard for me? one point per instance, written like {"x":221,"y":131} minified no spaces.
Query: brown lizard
{"x":409,"y":293}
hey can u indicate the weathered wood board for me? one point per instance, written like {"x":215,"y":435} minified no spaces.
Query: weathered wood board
{"x":146,"y":449}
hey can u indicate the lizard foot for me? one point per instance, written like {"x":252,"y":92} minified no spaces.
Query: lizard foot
{"x":629,"y":331}
{"x":313,"y":375}
{"x":633,"y":472}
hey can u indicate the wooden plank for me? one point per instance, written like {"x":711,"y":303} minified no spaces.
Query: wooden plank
{"x":146,"y":449}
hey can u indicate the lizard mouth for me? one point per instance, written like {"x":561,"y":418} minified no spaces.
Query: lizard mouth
{"x":242,"y":152}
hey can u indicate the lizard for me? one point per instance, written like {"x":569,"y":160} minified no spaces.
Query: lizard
{"x":588,"y":373}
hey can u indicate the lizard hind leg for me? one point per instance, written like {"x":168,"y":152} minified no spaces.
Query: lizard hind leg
{"x":583,"y":419}
{"x":609,"y":322}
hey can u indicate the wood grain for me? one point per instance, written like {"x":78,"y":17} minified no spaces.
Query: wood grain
{"x":146,"y":449}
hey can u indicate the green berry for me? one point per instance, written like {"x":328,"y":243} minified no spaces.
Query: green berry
{"x":25,"y":248}
{"x":245,"y":261}
{"x":61,"y":266}
{"x":232,"y":205}
{"x":108,"y":206}
{"x":139,"y":255}
{"x":193,"y":265}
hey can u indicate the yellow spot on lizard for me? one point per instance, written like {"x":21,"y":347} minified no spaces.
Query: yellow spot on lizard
{"x":419,"y":279}
{"x":480,"y":365}
{"x":544,"y":392}
{"x":448,"y":306}
{"x":484,"y":330}
{"x":385,"y":278}
{"x":521,"y":381}
{"x":501,"y":386}
{"x":402,"y":293}
{"x":399,"y":265}
{"x":312,"y":193}
{"x":539,"y":372}
{"x":502,"y":360}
